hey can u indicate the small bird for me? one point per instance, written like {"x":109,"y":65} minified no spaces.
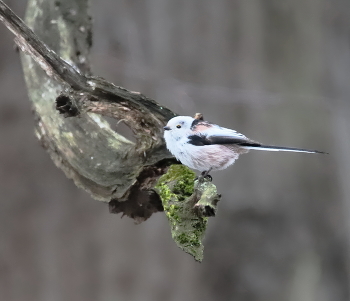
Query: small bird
{"x":206,"y":147}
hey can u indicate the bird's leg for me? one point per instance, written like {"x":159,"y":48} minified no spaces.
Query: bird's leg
{"x":205,"y":174}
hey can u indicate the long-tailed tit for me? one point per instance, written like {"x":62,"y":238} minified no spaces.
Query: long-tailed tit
{"x":205,"y":146}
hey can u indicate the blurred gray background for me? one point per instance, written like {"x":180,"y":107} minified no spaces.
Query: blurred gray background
{"x":277,"y":71}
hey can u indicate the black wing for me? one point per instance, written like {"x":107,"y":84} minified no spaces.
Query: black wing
{"x":200,"y":140}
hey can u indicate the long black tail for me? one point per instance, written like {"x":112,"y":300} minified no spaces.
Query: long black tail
{"x":273,"y":148}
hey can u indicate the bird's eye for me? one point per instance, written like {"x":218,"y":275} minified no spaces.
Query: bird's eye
{"x":178,"y":126}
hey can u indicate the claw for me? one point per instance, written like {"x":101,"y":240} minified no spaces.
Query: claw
{"x":209,"y":177}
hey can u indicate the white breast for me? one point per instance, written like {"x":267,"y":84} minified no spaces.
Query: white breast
{"x":202,"y":158}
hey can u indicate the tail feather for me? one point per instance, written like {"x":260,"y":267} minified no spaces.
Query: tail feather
{"x":273,"y":148}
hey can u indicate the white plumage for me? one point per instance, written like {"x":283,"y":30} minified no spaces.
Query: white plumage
{"x":204,"y":146}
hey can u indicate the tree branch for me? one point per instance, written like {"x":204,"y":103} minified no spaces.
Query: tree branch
{"x":99,"y":160}
{"x":107,"y":165}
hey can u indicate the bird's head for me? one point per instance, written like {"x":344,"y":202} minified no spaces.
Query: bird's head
{"x":178,"y":127}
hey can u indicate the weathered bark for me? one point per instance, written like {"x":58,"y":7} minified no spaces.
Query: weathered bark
{"x":99,"y":160}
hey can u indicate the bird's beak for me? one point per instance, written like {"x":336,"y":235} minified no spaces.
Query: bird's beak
{"x":166,"y":128}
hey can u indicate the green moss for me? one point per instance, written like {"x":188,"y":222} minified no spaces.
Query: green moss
{"x":183,"y":176}
{"x":176,"y":189}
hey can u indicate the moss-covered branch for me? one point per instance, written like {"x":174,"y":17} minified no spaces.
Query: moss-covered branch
{"x":187,"y":202}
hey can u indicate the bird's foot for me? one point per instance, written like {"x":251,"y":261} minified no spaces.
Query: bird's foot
{"x":206,"y":175}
